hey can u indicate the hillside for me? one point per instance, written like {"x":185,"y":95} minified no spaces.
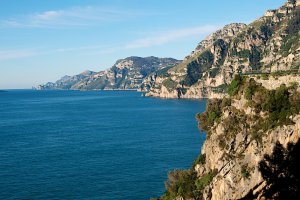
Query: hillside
{"x":125,"y":74}
{"x":252,"y":145}
{"x":267,"y":45}
{"x":66,"y":82}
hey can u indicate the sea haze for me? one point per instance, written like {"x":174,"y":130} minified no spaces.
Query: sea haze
{"x":93,"y":145}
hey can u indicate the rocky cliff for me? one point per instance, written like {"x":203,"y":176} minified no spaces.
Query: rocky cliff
{"x":269,"y":44}
{"x":252,"y":145}
{"x":125,"y":74}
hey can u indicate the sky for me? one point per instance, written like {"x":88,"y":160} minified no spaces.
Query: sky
{"x":41,"y":41}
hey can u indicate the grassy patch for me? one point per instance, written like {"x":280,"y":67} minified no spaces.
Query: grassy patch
{"x":205,"y":180}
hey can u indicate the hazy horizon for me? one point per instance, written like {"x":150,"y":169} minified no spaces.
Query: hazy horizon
{"x":43,"y":41}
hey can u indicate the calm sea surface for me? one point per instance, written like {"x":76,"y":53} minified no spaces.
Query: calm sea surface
{"x":93,"y":145}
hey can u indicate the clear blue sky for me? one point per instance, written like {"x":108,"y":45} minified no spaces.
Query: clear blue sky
{"x":41,"y":41}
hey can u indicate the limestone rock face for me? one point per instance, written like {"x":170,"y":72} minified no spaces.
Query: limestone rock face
{"x":269,"y":44}
{"x":225,"y":33}
{"x":242,"y":131}
{"x":229,"y":182}
{"x":125,"y":74}
{"x":232,"y":154}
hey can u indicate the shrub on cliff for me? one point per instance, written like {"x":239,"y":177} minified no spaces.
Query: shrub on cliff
{"x":250,"y":88}
{"x":235,"y":85}
{"x":180,"y":183}
{"x":213,"y":112}
{"x":205,"y":180}
{"x":199,"y":160}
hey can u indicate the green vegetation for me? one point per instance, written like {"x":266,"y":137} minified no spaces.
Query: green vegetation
{"x":245,"y":173}
{"x":250,"y":89}
{"x":169,"y":84}
{"x":164,"y":71}
{"x":278,"y":105}
{"x":224,"y":48}
{"x":222,"y":143}
{"x":255,"y":58}
{"x":213,"y":72}
{"x":198,"y":66}
{"x":184,"y":183}
{"x":293,"y":26}
{"x":245,"y":53}
{"x":270,"y":108}
{"x":199,"y":160}
{"x":233,"y":123}
{"x":235,"y":85}
{"x":288,"y":44}
{"x":180,"y":183}
{"x":292,"y":33}
{"x":212,"y":113}
{"x":265,"y":77}
{"x":205,"y":180}
{"x":221,"y":88}
{"x":266,"y":30}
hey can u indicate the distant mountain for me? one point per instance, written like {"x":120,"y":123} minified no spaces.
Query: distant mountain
{"x":66,"y":82}
{"x":269,"y":44}
{"x":125,"y":74}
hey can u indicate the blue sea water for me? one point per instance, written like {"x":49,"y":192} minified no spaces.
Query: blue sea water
{"x":93,"y":145}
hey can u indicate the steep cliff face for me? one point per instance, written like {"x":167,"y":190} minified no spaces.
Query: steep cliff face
{"x":252,"y":145}
{"x":125,"y":74}
{"x":269,"y":44}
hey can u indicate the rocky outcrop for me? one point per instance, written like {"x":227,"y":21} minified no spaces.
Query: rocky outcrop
{"x":249,"y":152}
{"x":239,"y":176}
{"x":267,"y":45}
{"x":125,"y":74}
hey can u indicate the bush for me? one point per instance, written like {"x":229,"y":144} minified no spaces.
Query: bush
{"x":225,"y":102}
{"x":255,"y":58}
{"x":169,"y":84}
{"x":293,"y":27}
{"x":205,"y":180}
{"x":265,"y":77}
{"x":235,"y":85}
{"x":220,"y":89}
{"x":199,"y":160}
{"x":245,"y":172}
{"x":180,"y":183}
{"x":213,"y":72}
{"x":251,"y":87}
{"x":266,"y":30}
{"x":279,"y":105}
{"x":213,"y":112}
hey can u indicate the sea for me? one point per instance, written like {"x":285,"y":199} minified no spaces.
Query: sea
{"x":106,"y":145}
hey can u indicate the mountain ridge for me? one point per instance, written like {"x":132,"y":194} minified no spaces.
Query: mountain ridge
{"x":267,"y":45}
{"x":125,"y":74}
